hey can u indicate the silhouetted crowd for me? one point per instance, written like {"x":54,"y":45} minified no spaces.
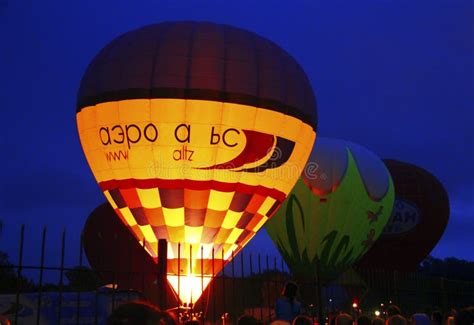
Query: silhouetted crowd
{"x":142,"y":313}
{"x":394,"y":316}
{"x":289,"y":311}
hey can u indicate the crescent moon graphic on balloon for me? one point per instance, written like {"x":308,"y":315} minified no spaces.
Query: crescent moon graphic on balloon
{"x":258,"y":146}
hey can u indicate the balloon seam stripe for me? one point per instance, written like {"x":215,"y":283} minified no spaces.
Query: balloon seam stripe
{"x":191,"y":184}
{"x":197,"y":94}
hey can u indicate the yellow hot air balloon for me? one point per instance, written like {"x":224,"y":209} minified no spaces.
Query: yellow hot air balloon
{"x":195,"y":132}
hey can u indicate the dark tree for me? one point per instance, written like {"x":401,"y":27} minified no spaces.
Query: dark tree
{"x":82,"y":278}
{"x":450,"y":267}
{"x":9,"y":280}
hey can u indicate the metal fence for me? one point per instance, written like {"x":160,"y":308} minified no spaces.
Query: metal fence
{"x":249,"y":284}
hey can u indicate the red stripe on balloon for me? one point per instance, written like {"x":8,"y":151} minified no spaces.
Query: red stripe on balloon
{"x":192,"y":184}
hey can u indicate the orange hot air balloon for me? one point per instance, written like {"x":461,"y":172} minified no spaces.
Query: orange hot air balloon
{"x":195,"y":133}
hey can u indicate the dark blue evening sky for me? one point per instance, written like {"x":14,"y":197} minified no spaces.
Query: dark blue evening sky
{"x":393,"y":75}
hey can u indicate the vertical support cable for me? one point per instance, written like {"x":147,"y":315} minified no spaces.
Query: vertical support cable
{"x":179,"y":272}
{"x":213,"y":287}
{"x":223,"y":282}
{"x":191,"y":303}
{"x":202,"y":277}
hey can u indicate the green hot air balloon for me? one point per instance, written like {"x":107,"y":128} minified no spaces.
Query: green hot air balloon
{"x":336,"y":211}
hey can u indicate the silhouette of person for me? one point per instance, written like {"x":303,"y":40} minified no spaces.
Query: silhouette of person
{"x":287,"y":307}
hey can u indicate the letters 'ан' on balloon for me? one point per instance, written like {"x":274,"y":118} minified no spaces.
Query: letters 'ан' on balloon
{"x":195,"y":132}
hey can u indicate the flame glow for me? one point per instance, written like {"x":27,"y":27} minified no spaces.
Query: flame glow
{"x":191,"y":286}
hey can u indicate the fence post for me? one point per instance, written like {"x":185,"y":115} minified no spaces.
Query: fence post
{"x":242,"y":281}
{"x":395,"y":287}
{"x":233,"y":311}
{"x":320,"y":299}
{"x":252,"y":281}
{"x":267,"y":289}
{"x":61,"y":276}
{"x":261,"y":288}
{"x":40,"y":284}
{"x":114,"y":274}
{"x":445,"y":294}
{"x":162,"y":268}
{"x":80,"y":271}
{"x":18,"y":274}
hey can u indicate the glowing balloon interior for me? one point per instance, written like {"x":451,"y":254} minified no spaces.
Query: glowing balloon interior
{"x":195,"y":133}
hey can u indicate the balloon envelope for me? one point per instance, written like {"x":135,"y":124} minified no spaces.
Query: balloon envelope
{"x":195,"y":133}
{"x":418,"y":220}
{"x":336,"y":211}
{"x":114,"y":253}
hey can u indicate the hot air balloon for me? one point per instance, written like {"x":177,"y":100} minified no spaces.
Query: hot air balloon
{"x":195,"y":132}
{"x":419,"y":217}
{"x":336,"y":211}
{"x":115,"y":254}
